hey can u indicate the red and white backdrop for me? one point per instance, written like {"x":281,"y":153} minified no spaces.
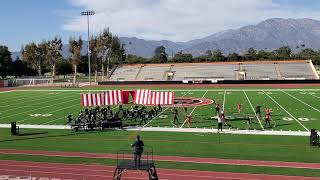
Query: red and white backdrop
{"x":148,"y":97}
{"x":115,"y":97}
{"x":112,"y":97}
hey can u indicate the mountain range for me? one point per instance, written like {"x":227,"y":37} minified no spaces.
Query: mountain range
{"x":266,"y":35}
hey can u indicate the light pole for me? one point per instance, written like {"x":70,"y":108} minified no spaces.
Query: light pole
{"x":88,"y":13}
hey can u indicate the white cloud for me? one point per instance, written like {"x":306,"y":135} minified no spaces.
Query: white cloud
{"x":178,"y":20}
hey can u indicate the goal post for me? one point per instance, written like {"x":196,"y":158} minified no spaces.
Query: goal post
{"x":30,"y":82}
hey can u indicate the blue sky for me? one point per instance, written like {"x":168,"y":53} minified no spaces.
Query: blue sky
{"x":24,"y":21}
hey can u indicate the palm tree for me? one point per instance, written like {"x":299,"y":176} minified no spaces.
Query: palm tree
{"x":75,"y":54}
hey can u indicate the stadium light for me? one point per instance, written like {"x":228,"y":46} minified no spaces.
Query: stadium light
{"x":88,"y":14}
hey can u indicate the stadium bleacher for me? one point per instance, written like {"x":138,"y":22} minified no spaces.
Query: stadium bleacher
{"x":297,"y":70}
{"x":153,"y":73}
{"x":255,"y":70}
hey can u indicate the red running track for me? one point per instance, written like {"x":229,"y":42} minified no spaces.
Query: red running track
{"x":98,"y":172}
{"x":168,"y":158}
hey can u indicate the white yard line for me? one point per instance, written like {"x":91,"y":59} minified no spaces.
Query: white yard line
{"x":193,"y":110}
{"x":253,"y":109}
{"x":315,"y":96}
{"x":224,"y":100}
{"x":42,"y":102}
{"x":301,"y":101}
{"x":2,"y":92}
{"x":155,"y":117}
{"x":191,"y":130}
{"x":286,"y":111}
{"x":39,"y":108}
{"x":161,"y":112}
{"x":49,"y":112}
{"x":12,"y":101}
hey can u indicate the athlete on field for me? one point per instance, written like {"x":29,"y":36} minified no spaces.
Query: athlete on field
{"x":268,"y":117}
{"x":239,"y":108}
{"x":188,"y":120}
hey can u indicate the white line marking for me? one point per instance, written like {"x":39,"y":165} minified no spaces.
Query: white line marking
{"x":162,"y":112}
{"x":315,"y":96}
{"x":29,"y":102}
{"x":2,"y":92}
{"x":155,"y":117}
{"x":286,"y":111}
{"x":193,"y":110}
{"x":224,"y":100}
{"x":301,"y":101}
{"x":49,"y":112}
{"x":253,"y":109}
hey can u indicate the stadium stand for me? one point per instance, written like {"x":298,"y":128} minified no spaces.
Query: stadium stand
{"x":296,"y":70}
{"x":255,"y":70}
{"x":125,"y":73}
{"x":153,"y":73}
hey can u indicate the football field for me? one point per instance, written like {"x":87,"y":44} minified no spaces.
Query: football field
{"x":292,"y":109}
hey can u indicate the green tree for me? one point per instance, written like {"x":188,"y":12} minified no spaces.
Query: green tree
{"x":104,"y":46}
{"x":251,"y":54}
{"x":54,"y":47}
{"x":160,"y":55}
{"x":283,"y":53}
{"x":94,"y":47}
{"x":33,"y":55}
{"x":181,"y":57}
{"x":308,"y":54}
{"x":63,"y":67}
{"x":133,"y":59}
{"x":209,"y":53}
{"x":263,"y":55}
{"x":233,"y":57}
{"x":217,"y":55}
{"x":75,"y":47}
{"x":5,"y":61}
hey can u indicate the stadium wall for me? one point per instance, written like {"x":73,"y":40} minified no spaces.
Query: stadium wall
{"x":3,"y":83}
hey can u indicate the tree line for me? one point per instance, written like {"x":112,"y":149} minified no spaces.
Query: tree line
{"x":282,"y":53}
{"x":108,"y":52}
{"x":46,"y":57}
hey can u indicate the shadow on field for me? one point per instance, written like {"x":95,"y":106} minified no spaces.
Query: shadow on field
{"x":33,"y":136}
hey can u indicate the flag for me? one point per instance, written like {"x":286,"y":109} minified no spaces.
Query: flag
{"x":162,"y":98}
{"x":147,"y":97}
{"x":142,"y":97}
{"x":112,"y":97}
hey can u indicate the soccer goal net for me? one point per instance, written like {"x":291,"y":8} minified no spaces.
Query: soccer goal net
{"x":30,"y":82}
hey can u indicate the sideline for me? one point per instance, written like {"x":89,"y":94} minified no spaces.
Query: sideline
{"x":170,"y":129}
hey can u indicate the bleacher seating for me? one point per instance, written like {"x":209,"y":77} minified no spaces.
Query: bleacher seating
{"x":152,"y":73}
{"x":125,"y":73}
{"x":204,"y":71}
{"x":265,"y":70}
{"x":296,"y":70}
{"x":260,"y":71}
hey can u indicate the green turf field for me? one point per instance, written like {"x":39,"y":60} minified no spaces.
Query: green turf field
{"x":295,"y":110}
